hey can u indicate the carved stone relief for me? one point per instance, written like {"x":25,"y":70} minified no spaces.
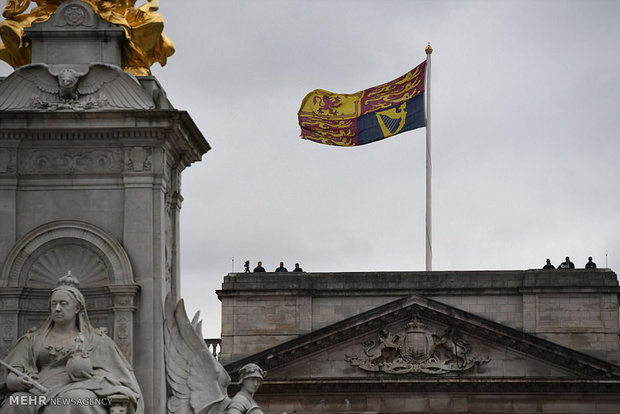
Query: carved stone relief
{"x":417,"y":350}
{"x":72,"y":88}
{"x":173,"y":205}
{"x":167,"y":175}
{"x":123,"y":334}
{"x":74,"y":105}
{"x":69,"y":161}
{"x":60,"y":259}
{"x":138,"y":159}
{"x":74,"y":15}
{"x":7,"y":161}
{"x":169,"y":237}
{"x":123,"y":301}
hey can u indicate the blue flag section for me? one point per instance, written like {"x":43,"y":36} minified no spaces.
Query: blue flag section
{"x":400,"y":118}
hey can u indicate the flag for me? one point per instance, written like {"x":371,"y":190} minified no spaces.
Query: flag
{"x":366,"y":116}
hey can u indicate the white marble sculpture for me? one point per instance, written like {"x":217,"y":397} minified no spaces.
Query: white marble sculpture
{"x":197,"y":381}
{"x":67,"y":366}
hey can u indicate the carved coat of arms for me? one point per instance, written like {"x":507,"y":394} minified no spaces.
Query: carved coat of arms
{"x":417,"y":350}
{"x":418,"y":343}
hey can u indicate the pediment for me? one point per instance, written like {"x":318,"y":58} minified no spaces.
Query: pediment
{"x":418,"y":340}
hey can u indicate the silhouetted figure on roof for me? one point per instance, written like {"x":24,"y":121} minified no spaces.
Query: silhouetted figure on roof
{"x":259,"y":268}
{"x":297,"y":268}
{"x":567,"y":264}
{"x":590,"y":264}
{"x":246,"y":266}
{"x":281,"y":268}
{"x":548,"y":265}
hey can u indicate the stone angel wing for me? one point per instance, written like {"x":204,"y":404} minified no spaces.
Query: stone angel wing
{"x":28,"y":82}
{"x":113,"y":87}
{"x":196,"y":379}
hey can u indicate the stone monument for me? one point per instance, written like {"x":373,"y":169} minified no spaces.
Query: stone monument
{"x":197,"y":381}
{"x":91,"y":154}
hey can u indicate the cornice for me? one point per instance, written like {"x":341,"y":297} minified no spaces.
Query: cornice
{"x":81,"y":134}
{"x":440,"y":385}
{"x":173,"y":130}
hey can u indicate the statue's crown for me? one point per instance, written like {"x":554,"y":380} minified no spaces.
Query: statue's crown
{"x":68,"y":280}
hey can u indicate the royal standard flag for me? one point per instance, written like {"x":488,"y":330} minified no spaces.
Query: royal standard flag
{"x":366,"y":116}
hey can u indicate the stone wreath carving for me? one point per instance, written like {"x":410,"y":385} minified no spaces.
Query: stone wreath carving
{"x":417,"y":350}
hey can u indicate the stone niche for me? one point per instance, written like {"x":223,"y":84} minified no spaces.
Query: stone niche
{"x":50,"y":251}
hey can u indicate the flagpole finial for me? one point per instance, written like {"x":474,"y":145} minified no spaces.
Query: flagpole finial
{"x":428,"y":49}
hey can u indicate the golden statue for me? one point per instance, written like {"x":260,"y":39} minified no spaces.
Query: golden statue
{"x":145,"y":42}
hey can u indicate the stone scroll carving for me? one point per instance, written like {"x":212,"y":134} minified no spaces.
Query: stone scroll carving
{"x":417,"y":350}
{"x":71,"y":161}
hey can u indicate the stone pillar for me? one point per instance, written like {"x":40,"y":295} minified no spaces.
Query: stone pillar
{"x":124,"y":306}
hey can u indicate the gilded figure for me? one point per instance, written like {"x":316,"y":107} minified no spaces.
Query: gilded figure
{"x":145,"y":42}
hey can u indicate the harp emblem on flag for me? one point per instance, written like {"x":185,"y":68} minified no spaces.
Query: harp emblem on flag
{"x":392,"y":120}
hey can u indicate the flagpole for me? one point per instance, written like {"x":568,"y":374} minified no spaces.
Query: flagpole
{"x":429,"y":167}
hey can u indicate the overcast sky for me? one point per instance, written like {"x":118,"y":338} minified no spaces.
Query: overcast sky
{"x":525,"y":136}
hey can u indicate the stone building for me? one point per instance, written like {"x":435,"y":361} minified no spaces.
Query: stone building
{"x":416,"y":342}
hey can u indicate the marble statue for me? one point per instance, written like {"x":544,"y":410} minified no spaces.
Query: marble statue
{"x":145,"y":42}
{"x":197,"y":381}
{"x":250,"y":378}
{"x":75,"y":367}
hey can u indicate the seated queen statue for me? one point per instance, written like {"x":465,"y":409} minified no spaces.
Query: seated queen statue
{"x":67,"y":366}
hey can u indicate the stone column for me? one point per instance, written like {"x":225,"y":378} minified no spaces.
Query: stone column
{"x":124,"y":306}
